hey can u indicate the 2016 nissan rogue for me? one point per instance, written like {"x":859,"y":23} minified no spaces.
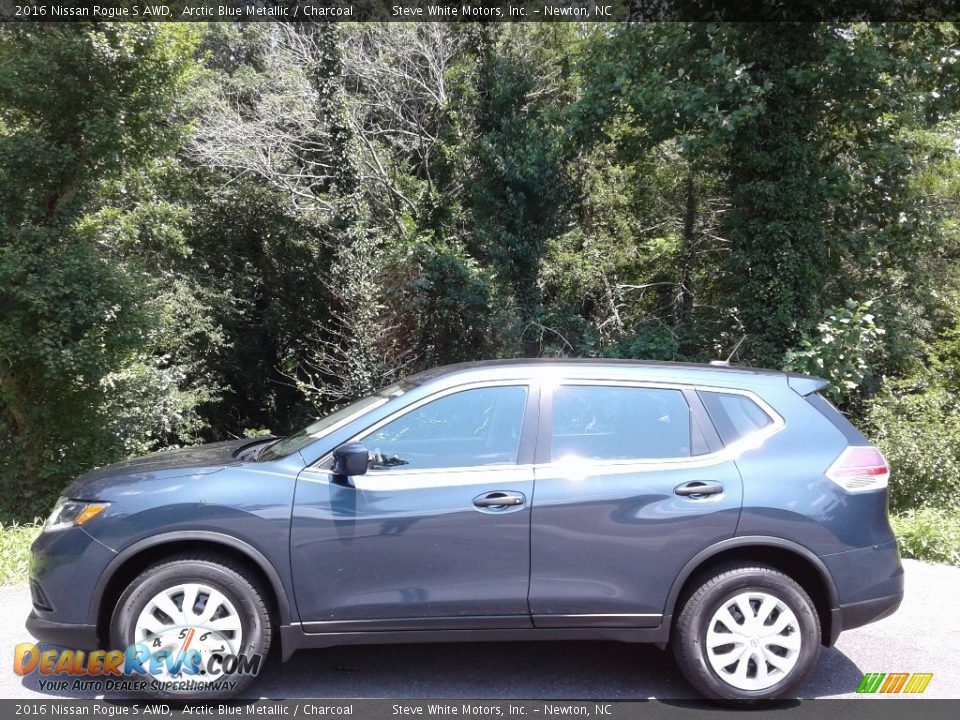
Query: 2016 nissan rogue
{"x":733,"y":513}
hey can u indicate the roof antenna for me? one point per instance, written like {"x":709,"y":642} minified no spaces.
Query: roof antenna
{"x":726,"y":363}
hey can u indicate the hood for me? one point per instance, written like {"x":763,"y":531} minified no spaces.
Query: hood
{"x":196,"y":460}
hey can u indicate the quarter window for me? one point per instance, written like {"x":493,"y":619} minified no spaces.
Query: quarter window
{"x":734,"y":416}
{"x":470,"y":428}
{"x":619,"y":423}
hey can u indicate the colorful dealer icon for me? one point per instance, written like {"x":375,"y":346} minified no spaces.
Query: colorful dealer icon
{"x":913,"y":683}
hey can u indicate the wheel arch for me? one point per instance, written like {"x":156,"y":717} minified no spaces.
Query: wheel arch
{"x":132,"y":560}
{"x":795,"y":560}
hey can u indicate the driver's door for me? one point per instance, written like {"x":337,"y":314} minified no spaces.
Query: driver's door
{"x":437,"y":533}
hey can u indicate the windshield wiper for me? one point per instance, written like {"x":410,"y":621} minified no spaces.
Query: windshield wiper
{"x":266,"y":446}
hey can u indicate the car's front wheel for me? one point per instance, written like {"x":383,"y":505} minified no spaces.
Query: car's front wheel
{"x":747,"y":633}
{"x":199,"y":624}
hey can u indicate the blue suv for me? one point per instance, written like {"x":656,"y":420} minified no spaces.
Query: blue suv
{"x":732,"y":513}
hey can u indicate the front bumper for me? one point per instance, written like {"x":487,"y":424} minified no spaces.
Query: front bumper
{"x":80,"y":637}
{"x":65,"y":566}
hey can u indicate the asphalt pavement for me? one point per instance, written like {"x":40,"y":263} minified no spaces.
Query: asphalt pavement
{"x":923,"y":636}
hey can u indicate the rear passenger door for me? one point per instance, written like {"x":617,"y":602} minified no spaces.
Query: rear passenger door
{"x":616,"y":512}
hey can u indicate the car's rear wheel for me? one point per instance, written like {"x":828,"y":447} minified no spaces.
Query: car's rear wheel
{"x":747,"y":633}
{"x":198,"y":617}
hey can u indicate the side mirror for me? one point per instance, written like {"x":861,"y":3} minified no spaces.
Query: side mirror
{"x":351,"y":459}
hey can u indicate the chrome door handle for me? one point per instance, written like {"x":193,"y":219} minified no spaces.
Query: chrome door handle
{"x":698,"y":488}
{"x":498,"y":500}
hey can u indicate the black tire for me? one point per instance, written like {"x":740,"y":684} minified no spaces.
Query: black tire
{"x":690,"y":631}
{"x":239,"y":586}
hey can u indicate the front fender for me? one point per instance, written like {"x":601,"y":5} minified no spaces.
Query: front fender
{"x":185,"y":538}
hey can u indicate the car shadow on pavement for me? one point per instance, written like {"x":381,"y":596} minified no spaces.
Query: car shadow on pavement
{"x":548,"y":670}
{"x":38,"y":683}
{"x":835,"y":674}
{"x":554,"y":670}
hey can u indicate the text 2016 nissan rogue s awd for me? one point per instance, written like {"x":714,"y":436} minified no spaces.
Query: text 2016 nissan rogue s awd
{"x":730,"y":512}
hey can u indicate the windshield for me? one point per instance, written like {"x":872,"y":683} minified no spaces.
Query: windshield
{"x":328,"y":423}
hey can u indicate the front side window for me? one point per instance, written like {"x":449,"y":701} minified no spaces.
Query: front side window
{"x":619,"y":423}
{"x":311,"y":433}
{"x":470,"y":428}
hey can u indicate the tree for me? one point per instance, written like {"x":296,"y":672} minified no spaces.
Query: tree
{"x":520,"y":187}
{"x":806,"y":127}
{"x":290,"y":130}
{"x":80,"y":105}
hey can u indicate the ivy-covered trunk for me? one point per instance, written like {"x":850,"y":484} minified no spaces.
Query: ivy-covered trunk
{"x":780,"y":258}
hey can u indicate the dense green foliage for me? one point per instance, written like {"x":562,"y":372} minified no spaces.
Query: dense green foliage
{"x":15,"y":541}
{"x":929,"y":534}
{"x":213,"y":230}
{"x":92,"y":359}
{"x":843,"y":349}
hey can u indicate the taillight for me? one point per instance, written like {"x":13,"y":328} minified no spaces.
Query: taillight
{"x":859,"y":469}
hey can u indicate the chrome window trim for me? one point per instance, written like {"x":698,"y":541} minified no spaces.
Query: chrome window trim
{"x":777,"y":419}
{"x":730,"y":452}
{"x":399,"y":472}
{"x":463,"y":475}
{"x":385,"y":481}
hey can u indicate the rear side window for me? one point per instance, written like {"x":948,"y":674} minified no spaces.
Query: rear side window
{"x":619,"y":423}
{"x":734,"y":416}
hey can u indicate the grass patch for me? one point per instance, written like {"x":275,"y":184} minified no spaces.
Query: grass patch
{"x":929,"y":534}
{"x":15,"y":542}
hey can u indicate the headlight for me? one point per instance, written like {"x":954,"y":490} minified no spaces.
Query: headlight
{"x":70,"y":513}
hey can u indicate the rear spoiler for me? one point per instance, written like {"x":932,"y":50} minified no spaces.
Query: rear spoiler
{"x":805,"y":384}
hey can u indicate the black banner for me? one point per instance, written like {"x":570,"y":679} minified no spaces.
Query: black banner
{"x":477,"y":10}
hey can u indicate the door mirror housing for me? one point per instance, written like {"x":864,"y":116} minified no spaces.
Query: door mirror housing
{"x":351,"y":459}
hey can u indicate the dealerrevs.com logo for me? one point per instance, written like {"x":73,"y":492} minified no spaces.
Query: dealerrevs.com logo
{"x":892,"y":683}
{"x":180,"y":659}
